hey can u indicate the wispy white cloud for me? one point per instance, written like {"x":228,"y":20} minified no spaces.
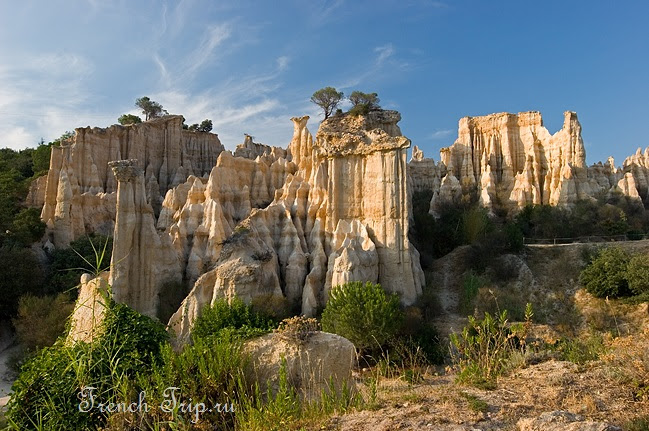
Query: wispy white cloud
{"x":383,"y":63}
{"x":43,"y":94}
{"x":214,"y":36}
{"x":440,"y":134}
{"x":282,"y":63}
{"x":384,"y":53}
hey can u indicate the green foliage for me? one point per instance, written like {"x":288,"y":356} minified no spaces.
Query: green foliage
{"x":42,"y":319}
{"x":470,"y":288}
{"x":128,"y":119}
{"x":475,"y":224}
{"x":482,"y":349}
{"x":205,"y":126}
{"x":87,"y":254}
{"x":20,"y":274}
{"x":606,"y":275}
{"x":234,"y":319}
{"x":580,"y":351}
{"x":637,"y":274}
{"x":209,"y":371}
{"x":475,"y":403}
{"x":45,"y":395}
{"x":612,"y":215}
{"x":41,"y":159}
{"x":363,"y":313}
{"x":284,"y":409}
{"x":149,"y":108}
{"x":638,"y":424}
{"x":417,"y":342}
{"x":15,"y":176}
{"x":363,"y":103}
{"x":328,"y":99}
{"x":26,"y":227}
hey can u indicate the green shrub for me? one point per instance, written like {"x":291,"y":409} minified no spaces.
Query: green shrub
{"x":27,"y":227}
{"x":45,"y":395}
{"x":209,"y":371}
{"x":638,"y":274}
{"x":605,"y":276}
{"x":234,"y":319}
{"x":363,"y":313}
{"x":482,"y":349}
{"x":580,"y":351}
{"x":470,"y":287}
{"x":42,"y":319}
{"x":417,"y":337}
{"x":21,"y":273}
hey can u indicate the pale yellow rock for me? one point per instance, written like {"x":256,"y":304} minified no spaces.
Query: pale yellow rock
{"x":167,"y":152}
{"x":323,"y":362}
{"x":90,"y":308}
{"x":36,"y":196}
{"x":340,"y":214}
{"x":513,"y":159}
{"x":142,"y":260}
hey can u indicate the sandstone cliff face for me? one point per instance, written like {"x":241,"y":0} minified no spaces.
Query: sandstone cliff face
{"x":341,"y":214}
{"x":78,"y":192}
{"x":512,"y":160}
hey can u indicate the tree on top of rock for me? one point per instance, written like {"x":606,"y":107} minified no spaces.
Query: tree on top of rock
{"x":328,"y":99}
{"x":362,"y":103}
{"x":127,"y":119}
{"x":205,"y":126}
{"x":149,"y":108}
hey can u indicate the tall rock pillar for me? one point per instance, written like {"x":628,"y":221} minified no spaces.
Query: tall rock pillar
{"x":141,"y":263}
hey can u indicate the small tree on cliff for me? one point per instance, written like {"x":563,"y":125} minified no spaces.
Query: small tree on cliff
{"x":127,"y":119}
{"x":362,"y":103}
{"x":328,"y":99}
{"x":149,"y":108}
{"x":205,"y":126}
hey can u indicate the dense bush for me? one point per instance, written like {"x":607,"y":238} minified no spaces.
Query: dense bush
{"x":363,"y":313}
{"x":637,"y":274}
{"x":21,"y":273}
{"x":41,"y":320}
{"x":231,"y":319}
{"x":606,"y":276}
{"x":45,"y":395}
{"x":208,"y":371}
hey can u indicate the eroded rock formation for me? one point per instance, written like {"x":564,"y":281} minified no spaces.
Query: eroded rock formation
{"x":511,"y":160}
{"x":341,"y":214}
{"x":78,"y":193}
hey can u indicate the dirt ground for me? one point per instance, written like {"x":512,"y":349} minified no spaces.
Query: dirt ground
{"x":439,"y":403}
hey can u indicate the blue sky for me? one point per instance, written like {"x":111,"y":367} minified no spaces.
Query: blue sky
{"x":250,"y":66}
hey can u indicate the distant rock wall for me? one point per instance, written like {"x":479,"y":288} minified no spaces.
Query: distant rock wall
{"x":78,"y":191}
{"x":511,"y":160}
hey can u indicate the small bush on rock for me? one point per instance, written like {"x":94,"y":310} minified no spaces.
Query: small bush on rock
{"x":234,"y":319}
{"x":363,"y":313}
{"x":297,"y":329}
